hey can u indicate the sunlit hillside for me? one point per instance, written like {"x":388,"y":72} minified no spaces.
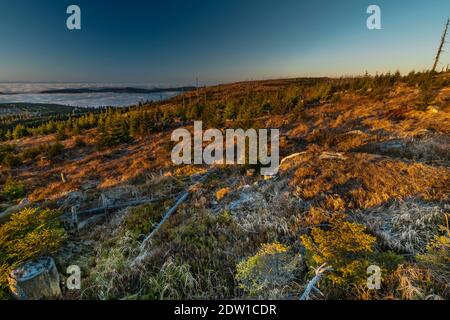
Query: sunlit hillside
{"x":363,"y":180}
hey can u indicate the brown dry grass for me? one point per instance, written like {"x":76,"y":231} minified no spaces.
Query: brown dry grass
{"x":363,"y":180}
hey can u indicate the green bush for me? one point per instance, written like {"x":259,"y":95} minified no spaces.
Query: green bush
{"x":266,"y":273}
{"x":28,"y":234}
{"x":437,"y":255}
{"x":13,"y":189}
{"x":344,"y":246}
{"x":54,"y":150}
{"x":11,"y":161}
{"x":321,"y":92}
{"x":31,"y":153}
{"x":19,"y":132}
{"x":79,"y":142}
{"x":140,"y":221}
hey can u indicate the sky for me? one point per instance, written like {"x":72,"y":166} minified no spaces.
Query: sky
{"x":175,"y":42}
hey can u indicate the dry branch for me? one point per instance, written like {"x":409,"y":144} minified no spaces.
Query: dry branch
{"x":320,"y":271}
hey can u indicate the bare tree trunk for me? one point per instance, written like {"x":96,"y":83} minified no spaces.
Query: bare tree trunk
{"x":441,"y":46}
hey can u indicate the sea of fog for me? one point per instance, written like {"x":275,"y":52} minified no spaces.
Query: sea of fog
{"x":30,"y":92}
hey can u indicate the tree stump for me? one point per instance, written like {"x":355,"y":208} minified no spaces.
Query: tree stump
{"x":36,"y":279}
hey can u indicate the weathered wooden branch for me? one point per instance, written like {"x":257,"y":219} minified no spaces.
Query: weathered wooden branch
{"x":320,"y":271}
{"x":79,"y":220}
{"x":133,"y":203}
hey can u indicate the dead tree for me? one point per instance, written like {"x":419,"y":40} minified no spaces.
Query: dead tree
{"x":441,"y":46}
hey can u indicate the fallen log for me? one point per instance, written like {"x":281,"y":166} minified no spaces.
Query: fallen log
{"x":182,"y":198}
{"x":104,"y":209}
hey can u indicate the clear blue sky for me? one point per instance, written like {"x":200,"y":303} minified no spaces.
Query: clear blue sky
{"x":173,"y":42}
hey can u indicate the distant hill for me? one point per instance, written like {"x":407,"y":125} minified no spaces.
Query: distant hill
{"x":118,"y":90}
{"x":8,"y":108}
{"x":34,"y":114}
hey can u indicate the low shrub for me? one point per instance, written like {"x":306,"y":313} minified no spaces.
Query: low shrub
{"x":344,"y":246}
{"x":31,"y":153}
{"x":28,"y":234}
{"x":11,"y":161}
{"x":268,"y":272}
{"x":13,"y":189}
{"x":437,"y":255}
{"x":140,"y":221}
{"x":54,"y":150}
{"x":79,"y":142}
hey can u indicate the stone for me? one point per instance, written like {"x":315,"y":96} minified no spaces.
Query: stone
{"x":392,"y":145}
{"x":248,"y":199}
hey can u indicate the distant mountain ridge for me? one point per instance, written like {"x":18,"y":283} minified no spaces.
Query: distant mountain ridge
{"x":118,"y":90}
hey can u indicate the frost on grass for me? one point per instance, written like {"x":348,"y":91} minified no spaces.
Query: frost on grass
{"x":406,"y":226}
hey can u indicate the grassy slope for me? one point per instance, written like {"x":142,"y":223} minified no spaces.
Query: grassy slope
{"x":393,"y":161}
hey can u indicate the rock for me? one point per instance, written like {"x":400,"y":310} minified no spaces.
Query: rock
{"x":35,"y":280}
{"x":247,"y":199}
{"x":88,"y":186}
{"x":392,"y":145}
{"x":73,"y":198}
